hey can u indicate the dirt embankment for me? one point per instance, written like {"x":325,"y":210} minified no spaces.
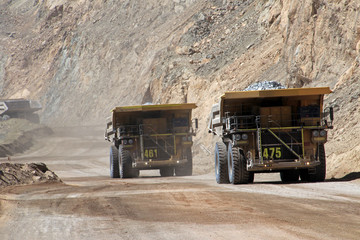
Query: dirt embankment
{"x":28,"y":173}
{"x":18,"y":135}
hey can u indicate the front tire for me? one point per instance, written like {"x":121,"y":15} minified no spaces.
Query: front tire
{"x":318,"y":173}
{"x":221,"y":166}
{"x":233,"y":164}
{"x":135,"y":173}
{"x":289,"y":176}
{"x":251,"y":177}
{"x":238,"y":173}
{"x":187,"y":169}
{"x":114,"y":162}
{"x":167,"y":172}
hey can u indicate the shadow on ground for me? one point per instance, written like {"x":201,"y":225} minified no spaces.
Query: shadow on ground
{"x":349,"y":177}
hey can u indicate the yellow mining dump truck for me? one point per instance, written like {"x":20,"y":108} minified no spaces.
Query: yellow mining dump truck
{"x":281,"y":130}
{"x":151,"y":137}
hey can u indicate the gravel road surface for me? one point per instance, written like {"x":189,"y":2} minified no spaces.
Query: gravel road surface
{"x":91,"y":205}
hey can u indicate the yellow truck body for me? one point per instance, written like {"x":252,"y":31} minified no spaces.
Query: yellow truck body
{"x":151,"y":137}
{"x":280,"y":130}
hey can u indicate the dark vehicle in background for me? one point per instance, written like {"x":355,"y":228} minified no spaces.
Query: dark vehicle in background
{"x":20,"y":108}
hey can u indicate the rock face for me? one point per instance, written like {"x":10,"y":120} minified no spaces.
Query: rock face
{"x":82,"y":58}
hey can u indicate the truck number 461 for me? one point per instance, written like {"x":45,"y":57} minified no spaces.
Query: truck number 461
{"x":150,"y":153}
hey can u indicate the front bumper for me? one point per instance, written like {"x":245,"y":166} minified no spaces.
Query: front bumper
{"x":156,"y":164}
{"x":270,"y":165}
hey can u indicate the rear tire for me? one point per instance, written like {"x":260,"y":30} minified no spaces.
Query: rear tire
{"x":114,"y":162}
{"x":238,"y":173}
{"x":233,"y":164}
{"x":221,"y":166}
{"x":135,"y":173}
{"x":167,"y":172}
{"x":187,"y":169}
{"x":251,"y":177}
{"x":125,"y":163}
{"x":289,"y":176}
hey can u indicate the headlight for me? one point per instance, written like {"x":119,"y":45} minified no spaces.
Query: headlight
{"x":131,"y":141}
{"x":315,"y":133}
{"x":189,"y":138}
{"x":184,"y":139}
{"x":322,"y":133}
{"x":125,"y":141}
{"x":237,"y":137}
{"x":244,"y":136}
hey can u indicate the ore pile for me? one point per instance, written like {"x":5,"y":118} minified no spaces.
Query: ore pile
{"x":266,"y":85}
{"x":28,"y":173}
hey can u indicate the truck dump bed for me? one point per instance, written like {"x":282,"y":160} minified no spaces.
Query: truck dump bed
{"x":275,"y":108}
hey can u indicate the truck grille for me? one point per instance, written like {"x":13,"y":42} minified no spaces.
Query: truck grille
{"x":161,"y":148}
{"x":272,"y":144}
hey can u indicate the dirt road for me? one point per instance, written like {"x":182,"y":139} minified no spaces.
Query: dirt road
{"x":90,"y":205}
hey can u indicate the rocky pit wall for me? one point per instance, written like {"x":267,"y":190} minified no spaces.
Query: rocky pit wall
{"x":82,"y":58}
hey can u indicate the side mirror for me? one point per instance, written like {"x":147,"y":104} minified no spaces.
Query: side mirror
{"x":331,"y":113}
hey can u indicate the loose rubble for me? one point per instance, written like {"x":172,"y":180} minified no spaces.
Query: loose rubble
{"x":28,"y":173}
{"x":266,"y":85}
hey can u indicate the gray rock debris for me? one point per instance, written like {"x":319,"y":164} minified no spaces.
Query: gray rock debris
{"x":266,"y":85}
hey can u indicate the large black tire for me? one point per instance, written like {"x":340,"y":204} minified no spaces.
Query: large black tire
{"x":126,"y":170}
{"x":187,"y":169}
{"x":317,"y":174}
{"x":289,"y":176}
{"x":135,"y":173}
{"x":245,"y":175}
{"x":251,"y":177}
{"x":167,"y":172}
{"x":114,"y":162}
{"x":233,"y":164}
{"x":238,"y":173}
{"x":304,"y":175}
{"x":221,"y":166}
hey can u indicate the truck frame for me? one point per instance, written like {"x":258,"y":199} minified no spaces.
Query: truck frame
{"x":151,"y":137}
{"x":282,"y":130}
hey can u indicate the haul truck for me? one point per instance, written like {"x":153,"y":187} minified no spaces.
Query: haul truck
{"x":151,"y":137}
{"x":20,"y":108}
{"x":281,"y":130}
